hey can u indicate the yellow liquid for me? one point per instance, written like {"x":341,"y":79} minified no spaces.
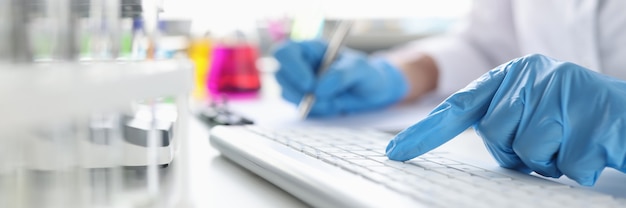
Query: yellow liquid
{"x":200,"y":53}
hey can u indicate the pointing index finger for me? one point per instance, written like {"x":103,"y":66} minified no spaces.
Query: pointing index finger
{"x":453,"y":116}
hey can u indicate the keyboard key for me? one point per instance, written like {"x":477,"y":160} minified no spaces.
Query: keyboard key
{"x":330,"y":149}
{"x":352,"y":147}
{"x":377,"y":158}
{"x":477,"y":180}
{"x":413,"y":169}
{"x":347,"y":155}
{"x":383,"y":169}
{"x":379,"y":151}
{"x":296,"y":145}
{"x":394,"y":164}
{"x":373,"y":146}
{"x":427,"y":164}
{"x":311,"y":151}
{"x":452,"y":172}
{"x":491,"y":175}
{"x":329,"y":158}
{"x":466,"y":168}
{"x":353,"y":168}
{"x":367,"y":153}
{"x":443,"y":161}
{"x":420,"y":183}
{"x":428,"y":156}
{"x":402,"y":176}
{"x":533,"y":183}
{"x":430,"y":175}
{"x":364,"y":162}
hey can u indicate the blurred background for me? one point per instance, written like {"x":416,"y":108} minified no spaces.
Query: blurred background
{"x":97,"y":94}
{"x":381,"y":23}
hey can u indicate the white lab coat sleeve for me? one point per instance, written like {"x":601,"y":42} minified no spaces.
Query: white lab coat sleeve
{"x":480,"y":42}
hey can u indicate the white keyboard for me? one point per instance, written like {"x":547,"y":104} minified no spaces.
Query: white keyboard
{"x":435,"y":179}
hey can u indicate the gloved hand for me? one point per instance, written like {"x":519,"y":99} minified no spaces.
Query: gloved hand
{"x":534,"y":114}
{"x":352,"y":83}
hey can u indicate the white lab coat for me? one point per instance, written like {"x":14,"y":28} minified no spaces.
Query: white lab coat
{"x":591,"y":33}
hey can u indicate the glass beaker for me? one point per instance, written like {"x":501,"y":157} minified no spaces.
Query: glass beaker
{"x":233,"y":71}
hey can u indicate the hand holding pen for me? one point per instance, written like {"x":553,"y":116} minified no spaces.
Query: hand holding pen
{"x":336,"y":82}
{"x":334,"y":45}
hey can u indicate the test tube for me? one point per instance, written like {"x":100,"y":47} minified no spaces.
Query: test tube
{"x":63,"y":19}
{"x":102,"y":165}
{"x":10,"y":180}
{"x":4,"y":31}
{"x":154,"y":142}
{"x":179,"y":193}
{"x":103,"y":24}
{"x":18,"y":45}
{"x":13,"y":49}
{"x":51,"y":30}
{"x":150,"y":18}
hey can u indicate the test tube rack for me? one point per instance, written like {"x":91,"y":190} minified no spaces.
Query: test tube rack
{"x":40,"y":94}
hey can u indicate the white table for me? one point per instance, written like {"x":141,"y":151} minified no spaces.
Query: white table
{"x":218,"y":182}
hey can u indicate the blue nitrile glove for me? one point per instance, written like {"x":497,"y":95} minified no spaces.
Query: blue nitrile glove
{"x":534,"y":114}
{"x":352,"y":83}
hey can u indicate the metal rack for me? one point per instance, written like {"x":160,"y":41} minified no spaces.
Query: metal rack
{"x":78,"y":133}
{"x":41,"y":93}
{"x":37,"y":97}
{"x":48,"y":93}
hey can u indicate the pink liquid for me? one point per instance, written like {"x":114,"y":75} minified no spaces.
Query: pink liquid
{"x":233,"y":71}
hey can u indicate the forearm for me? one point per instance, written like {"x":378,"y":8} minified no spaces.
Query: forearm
{"x":420,"y":71}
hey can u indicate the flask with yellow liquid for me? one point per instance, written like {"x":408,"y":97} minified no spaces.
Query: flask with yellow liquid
{"x":200,"y":53}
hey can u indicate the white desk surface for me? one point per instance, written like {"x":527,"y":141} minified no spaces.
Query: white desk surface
{"x":218,"y":182}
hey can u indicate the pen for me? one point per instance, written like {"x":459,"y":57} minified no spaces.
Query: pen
{"x":334,"y":44}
